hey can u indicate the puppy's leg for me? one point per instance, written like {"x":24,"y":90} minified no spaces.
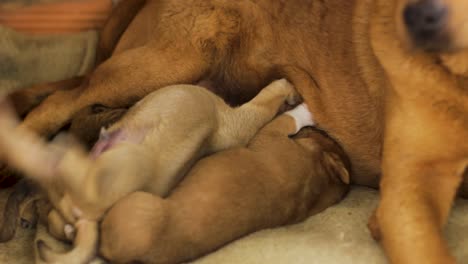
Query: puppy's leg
{"x":238,"y":126}
{"x":119,"y":82}
{"x":85,"y":246}
{"x":22,"y":149}
{"x":116,"y":173}
{"x":56,"y":225}
{"x":127,"y":229}
{"x":26,"y":99}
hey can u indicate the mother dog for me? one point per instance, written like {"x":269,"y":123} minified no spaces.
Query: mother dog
{"x":383,"y":77}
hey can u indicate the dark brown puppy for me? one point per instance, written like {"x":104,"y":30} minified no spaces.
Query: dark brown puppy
{"x":386,"y":78}
{"x":274,"y":181}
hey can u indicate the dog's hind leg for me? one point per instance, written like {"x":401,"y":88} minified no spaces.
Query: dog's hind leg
{"x":85,"y":246}
{"x":26,"y":99}
{"x":118,"y":82}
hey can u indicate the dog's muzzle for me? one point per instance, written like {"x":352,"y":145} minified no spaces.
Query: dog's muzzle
{"x":426,"y":22}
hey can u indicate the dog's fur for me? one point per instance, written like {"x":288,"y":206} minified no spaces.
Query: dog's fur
{"x":396,"y":109}
{"x":150,"y":149}
{"x":274,"y":181}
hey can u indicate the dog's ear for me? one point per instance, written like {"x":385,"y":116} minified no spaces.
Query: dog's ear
{"x":336,"y":167}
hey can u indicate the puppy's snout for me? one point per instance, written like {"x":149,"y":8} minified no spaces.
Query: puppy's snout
{"x":426,"y":22}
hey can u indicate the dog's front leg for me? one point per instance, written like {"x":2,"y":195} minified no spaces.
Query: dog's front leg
{"x":415,"y":204}
{"x":421,"y":174}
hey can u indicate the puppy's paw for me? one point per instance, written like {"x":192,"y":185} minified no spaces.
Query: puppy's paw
{"x":302,"y":116}
{"x":69,"y":231}
{"x":292,"y":96}
{"x":282,"y":83}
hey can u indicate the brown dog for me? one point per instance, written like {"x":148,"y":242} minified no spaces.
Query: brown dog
{"x":150,"y":149}
{"x":383,"y":77}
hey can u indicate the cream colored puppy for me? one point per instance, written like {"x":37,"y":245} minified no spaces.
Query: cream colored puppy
{"x":150,"y":149}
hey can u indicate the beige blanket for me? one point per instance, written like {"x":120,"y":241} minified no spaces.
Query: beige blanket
{"x":338,"y":235}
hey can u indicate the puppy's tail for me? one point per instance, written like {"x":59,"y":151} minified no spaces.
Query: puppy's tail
{"x":28,"y":153}
{"x":21,"y":148}
{"x":85,"y":246}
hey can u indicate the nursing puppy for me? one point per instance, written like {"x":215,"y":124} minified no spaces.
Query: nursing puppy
{"x":275,"y":180}
{"x":149,"y":149}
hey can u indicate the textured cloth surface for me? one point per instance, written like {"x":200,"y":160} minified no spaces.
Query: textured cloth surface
{"x":25,"y":59}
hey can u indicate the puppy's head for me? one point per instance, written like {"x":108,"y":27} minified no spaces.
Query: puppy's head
{"x":332,"y":156}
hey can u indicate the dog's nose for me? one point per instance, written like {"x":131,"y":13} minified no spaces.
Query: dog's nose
{"x":426,"y":21}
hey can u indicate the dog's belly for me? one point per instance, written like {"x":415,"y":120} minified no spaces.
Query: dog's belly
{"x":348,"y":102}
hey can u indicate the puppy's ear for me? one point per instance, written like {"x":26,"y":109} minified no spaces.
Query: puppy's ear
{"x":336,"y":167}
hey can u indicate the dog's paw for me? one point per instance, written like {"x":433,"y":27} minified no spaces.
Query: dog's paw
{"x":302,"y":116}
